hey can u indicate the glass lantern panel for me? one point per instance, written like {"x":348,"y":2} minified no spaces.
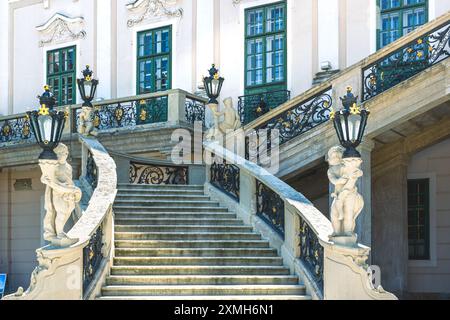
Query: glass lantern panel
{"x":45,"y":127}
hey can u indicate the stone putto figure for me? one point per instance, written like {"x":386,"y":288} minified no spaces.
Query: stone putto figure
{"x":347,"y":202}
{"x":61,"y":196}
{"x":231,"y":120}
{"x":86,"y":122}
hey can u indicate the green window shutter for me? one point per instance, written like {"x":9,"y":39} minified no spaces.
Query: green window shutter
{"x":419,"y":219}
{"x":265,"y":48}
{"x":154,"y":60}
{"x":61,"y":69}
{"x":398,"y":18}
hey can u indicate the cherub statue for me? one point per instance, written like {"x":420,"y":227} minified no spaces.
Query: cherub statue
{"x":347,"y":203}
{"x":231,"y":120}
{"x":86,"y":122}
{"x":61,"y":196}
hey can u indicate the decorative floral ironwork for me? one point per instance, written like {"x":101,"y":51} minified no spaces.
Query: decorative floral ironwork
{"x":130,"y":113}
{"x":302,"y":117}
{"x":91,"y":171}
{"x":195,"y":111}
{"x":270,"y":207}
{"x":311,"y":252}
{"x":16,"y":129}
{"x":407,"y":61}
{"x":92,"y":257}
{"x":226,"y":177}
{"x":158,"y":174}
{"x":251,"y":107}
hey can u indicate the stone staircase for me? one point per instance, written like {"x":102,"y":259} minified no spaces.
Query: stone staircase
{"x":173,"y":242}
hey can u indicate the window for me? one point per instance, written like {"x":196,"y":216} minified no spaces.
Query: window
{"x":154,"y":60}
{"x":265,"y":47}
{"x":61,"y":66}
{"x":419,"y":219}
{"x":399,"y":17}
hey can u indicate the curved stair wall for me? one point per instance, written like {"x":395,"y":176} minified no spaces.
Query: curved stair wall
{"x":292,"y":225}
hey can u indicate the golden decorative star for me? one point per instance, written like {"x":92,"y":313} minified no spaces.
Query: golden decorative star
{"x":216,"y":76}
{"x":43,"y":110}
{"x":332,"y":115}
{"x":420,"y":41}
{"x":355,"y":109}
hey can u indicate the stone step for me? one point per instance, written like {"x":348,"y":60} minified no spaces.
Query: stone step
{"x":195,"y":252}
{"x":164,"y":203}
{"x":162,"y":187}
{"x":204,"y":290}
{"x":181,"y":228}
{"x":212,"y":298}
{"x":133,"y":197}
{"x":186,"y":236}
{"x":169,"y":192}
{"x":198,"y":261}
{"x":175,"y":221}
{"x":176,"y":215}
{"x":200,"y":270}
{"x":201,"y":280}
{"x":191,"y":244}
{"x":166,"y":208}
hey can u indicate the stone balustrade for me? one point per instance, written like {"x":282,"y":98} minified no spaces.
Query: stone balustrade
{"x":295,"y":228}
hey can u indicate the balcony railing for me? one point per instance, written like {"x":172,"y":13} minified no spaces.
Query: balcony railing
{"x":253,"y":106}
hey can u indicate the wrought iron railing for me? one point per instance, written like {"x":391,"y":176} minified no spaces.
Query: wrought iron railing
{"x":155,"y":174}
{"x":270,"y":207}
{"x":195,"y":110}
{"x":311,"y":252}
{"x":253,"y":106}
{"x":15,"y":129}
{"x":226,"y":177}
{"x":402,"y":64}
{"x":91,"y":171}
{"x":128,"y":113}
{"x":92,"y":257}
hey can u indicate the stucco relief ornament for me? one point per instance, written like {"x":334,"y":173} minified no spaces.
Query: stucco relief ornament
{"x":60,"y":28}
{"x":347,"y":201}
{"x":145,"y":9}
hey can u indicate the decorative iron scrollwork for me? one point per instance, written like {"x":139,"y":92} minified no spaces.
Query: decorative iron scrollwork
{"x":407,"y":61}
{"x":16,"y":129}
{"x":157,"y":174}
{"x":91,"y":171}
{"x":130,"y":113}
{"x":270,"y":207}
{"x":195,"y":111}
{"x":226,"y":177}
{"x":311,"y":252}
{"x":251,"y":107}
{"x":92,"y":257}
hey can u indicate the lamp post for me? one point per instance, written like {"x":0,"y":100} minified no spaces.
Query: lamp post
{"x":350,"y":124}
{"x":345,"y":169}
{"x":213,"y":85}
{"x":47,"y":124}
{"x":87,"y":86}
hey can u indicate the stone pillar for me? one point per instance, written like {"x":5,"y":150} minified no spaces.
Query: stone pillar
{"x":328,"y":32}
{"x":364,"y":221}
{"x":248,"y":193}
{"x":4,"y":57}
{"x":176,"y":106}
{"x":205,"y":38}
{"x":390,"y":223}
{"x":104,"y":49}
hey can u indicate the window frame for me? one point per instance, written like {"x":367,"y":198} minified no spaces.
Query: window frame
{"x":276,"y":85}
{"x":61,"y":74}
{"x":401,"y":10}
{"x":152,"y":57}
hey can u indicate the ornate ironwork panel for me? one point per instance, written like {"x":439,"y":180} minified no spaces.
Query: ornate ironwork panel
{"x":195,"y":111}
{"x":270,"y":207}
{"x":92,"y":257}
{"x":311,"y":252}
{"x":14,"y":130}
{"x":155,"y":174}
{"x":129,"y":113}
{"x":91,"y":171}
{"x":251,"y":107}
{"x":226,"y":177}
{"x":302,"y":117}
{"x":406,"y":62}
